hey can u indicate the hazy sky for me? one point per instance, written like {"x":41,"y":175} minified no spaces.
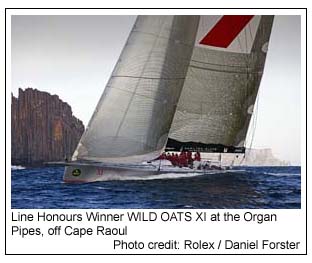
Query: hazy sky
{"x":73,"y":57}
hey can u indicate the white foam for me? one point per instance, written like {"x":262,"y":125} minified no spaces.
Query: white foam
{"x":156,"y":176}
{"x":282,"y":174}
{"x":17,"y":167}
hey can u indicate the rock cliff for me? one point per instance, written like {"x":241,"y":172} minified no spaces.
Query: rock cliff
{"x":42,"y":127}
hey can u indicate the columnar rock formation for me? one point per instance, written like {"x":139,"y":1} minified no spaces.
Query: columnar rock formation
{"x":43,"y":128}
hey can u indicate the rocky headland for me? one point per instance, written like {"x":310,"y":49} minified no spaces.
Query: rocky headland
{"x":43,"y":128}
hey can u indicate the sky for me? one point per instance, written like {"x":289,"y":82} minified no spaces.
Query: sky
{"x":73,"y":57}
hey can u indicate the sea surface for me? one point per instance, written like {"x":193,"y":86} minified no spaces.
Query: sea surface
{"x":252,"y":187}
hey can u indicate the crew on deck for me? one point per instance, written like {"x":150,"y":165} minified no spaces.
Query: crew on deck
{"x":184,"y":159}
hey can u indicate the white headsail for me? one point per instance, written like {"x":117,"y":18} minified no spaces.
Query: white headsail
{"x":134,"y":115}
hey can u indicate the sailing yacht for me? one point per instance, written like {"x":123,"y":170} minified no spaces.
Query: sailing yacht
{"x":180,"y":83}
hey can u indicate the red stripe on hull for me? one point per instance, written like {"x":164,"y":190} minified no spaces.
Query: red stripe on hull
{"x":225,"y":31}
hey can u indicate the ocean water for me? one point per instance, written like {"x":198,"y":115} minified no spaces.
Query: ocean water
{"x":254,"y":187}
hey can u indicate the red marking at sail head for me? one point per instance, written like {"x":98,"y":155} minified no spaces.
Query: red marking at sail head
{"x":225,"y":31}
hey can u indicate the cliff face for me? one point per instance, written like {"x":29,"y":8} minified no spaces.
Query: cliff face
{"x":42,"y":127}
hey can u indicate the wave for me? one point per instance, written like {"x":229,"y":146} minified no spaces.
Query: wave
{"x":17,"y":167}
{"x":282,"y":174}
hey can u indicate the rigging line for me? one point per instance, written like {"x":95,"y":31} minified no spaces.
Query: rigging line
{"x":252,"y":40}
{"x":241,"y":161}
{"x":251,"y":36}
{"x":248,"y":73}
{"x":253,"y":129}
{"x":240,"y":45}
{"x":254,"y":121}
{"x":247,"y":84}
{"x":245,"y":31}
{"x":159,"y":165}
{"x":247,"y":78}
{"x":245,"y":59}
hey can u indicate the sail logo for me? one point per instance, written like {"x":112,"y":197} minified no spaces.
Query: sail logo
{"x":76,"y":172}
{"x":225,"y":30}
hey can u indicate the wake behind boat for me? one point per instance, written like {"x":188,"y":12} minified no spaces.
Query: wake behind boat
{"x":182,"y":83}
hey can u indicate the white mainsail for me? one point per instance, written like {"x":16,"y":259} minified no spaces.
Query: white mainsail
{"x":134,"y":115}
{"x":223,"y":78}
